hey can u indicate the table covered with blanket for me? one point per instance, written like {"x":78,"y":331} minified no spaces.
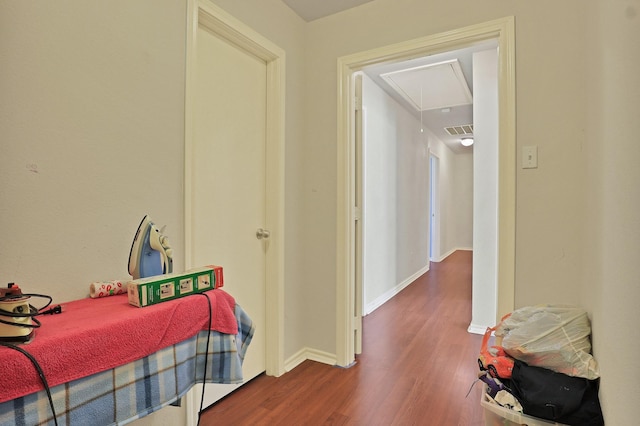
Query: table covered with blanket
{"x":107,"y":362}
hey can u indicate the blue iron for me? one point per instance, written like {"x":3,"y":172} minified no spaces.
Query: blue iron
{"x":150,"y":253}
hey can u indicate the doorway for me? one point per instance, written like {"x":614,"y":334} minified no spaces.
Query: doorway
{"x":434,"y":209}
{"x":503,"y":32}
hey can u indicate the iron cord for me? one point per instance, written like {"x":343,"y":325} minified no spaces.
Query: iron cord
{"x":206,"y":357}
{"x":32,"y":313}
{"x":40,"y":373}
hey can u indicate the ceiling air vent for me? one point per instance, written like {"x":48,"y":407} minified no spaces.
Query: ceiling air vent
{"x":463,"y":130}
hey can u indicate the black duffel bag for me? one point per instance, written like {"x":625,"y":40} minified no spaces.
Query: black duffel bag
{"x":555,"y":396}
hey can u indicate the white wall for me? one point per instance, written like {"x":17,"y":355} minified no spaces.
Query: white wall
{"x":91,"y":137}
{"x":463,"y":190}
{"x":396,"y":195}
{"x":611,"y":232}
{"x":379,"y":202}
{"x":485,"y":194}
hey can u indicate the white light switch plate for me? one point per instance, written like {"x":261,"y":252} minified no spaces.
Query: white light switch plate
{"x":530,"y":157}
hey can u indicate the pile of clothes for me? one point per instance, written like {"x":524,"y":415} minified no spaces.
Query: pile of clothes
{"x":541,"y":365}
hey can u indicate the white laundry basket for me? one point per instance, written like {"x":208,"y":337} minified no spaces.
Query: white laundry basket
{"x":497,"y":415}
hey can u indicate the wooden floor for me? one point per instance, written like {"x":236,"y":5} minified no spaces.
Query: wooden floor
{"x":417,"y":365}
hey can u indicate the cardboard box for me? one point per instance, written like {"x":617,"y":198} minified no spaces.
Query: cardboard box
{"x":160,"y":288}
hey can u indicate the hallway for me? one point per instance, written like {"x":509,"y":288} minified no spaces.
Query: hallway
{"x":417,"y":365}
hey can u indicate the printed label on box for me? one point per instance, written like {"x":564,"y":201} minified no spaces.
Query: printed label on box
{"x":186,"y":286}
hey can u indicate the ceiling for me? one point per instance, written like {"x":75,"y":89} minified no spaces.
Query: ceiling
{"x":310,"y":10}
{"x":436,"y":89}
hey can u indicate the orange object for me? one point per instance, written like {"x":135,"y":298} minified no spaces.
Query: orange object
{"x":494,"y":359}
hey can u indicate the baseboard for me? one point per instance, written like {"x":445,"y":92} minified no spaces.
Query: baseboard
{"x":444,"y":256}
{"x":386,"y":296}
{"x":309,"y":354}
{"x":477,"y":329}
{"x":450,"y":252}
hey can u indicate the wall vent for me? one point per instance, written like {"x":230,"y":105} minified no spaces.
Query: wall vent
{"x":463,"y":130}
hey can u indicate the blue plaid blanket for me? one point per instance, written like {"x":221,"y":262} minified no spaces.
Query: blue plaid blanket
{"x":134,"y":390}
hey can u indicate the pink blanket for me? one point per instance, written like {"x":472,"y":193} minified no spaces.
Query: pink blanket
{"x":93,"y":335}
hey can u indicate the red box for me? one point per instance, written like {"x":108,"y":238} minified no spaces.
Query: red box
{"x":219,"y":278}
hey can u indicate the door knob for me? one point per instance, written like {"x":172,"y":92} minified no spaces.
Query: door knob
{"x":262,"y":233}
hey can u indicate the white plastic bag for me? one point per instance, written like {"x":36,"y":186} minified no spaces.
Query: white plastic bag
{"x":556,"y":337}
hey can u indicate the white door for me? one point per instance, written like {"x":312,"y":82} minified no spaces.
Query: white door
{"x":228,"y":182}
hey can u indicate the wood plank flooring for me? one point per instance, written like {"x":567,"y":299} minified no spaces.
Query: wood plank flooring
{"x":417,"y":365}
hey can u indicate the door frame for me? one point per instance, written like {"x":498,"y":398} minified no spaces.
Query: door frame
{"x":225,"y":26}
{"x":434,"y":207}
{"x":502,"y":30}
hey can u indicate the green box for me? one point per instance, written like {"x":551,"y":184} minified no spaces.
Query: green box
{"x":160,"y":288}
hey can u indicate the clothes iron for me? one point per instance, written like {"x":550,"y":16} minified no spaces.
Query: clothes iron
{"x":150,"y":253}
{"x":15,"y":315}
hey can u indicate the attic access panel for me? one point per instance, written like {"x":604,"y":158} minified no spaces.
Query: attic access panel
{"x":433,"y":86}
